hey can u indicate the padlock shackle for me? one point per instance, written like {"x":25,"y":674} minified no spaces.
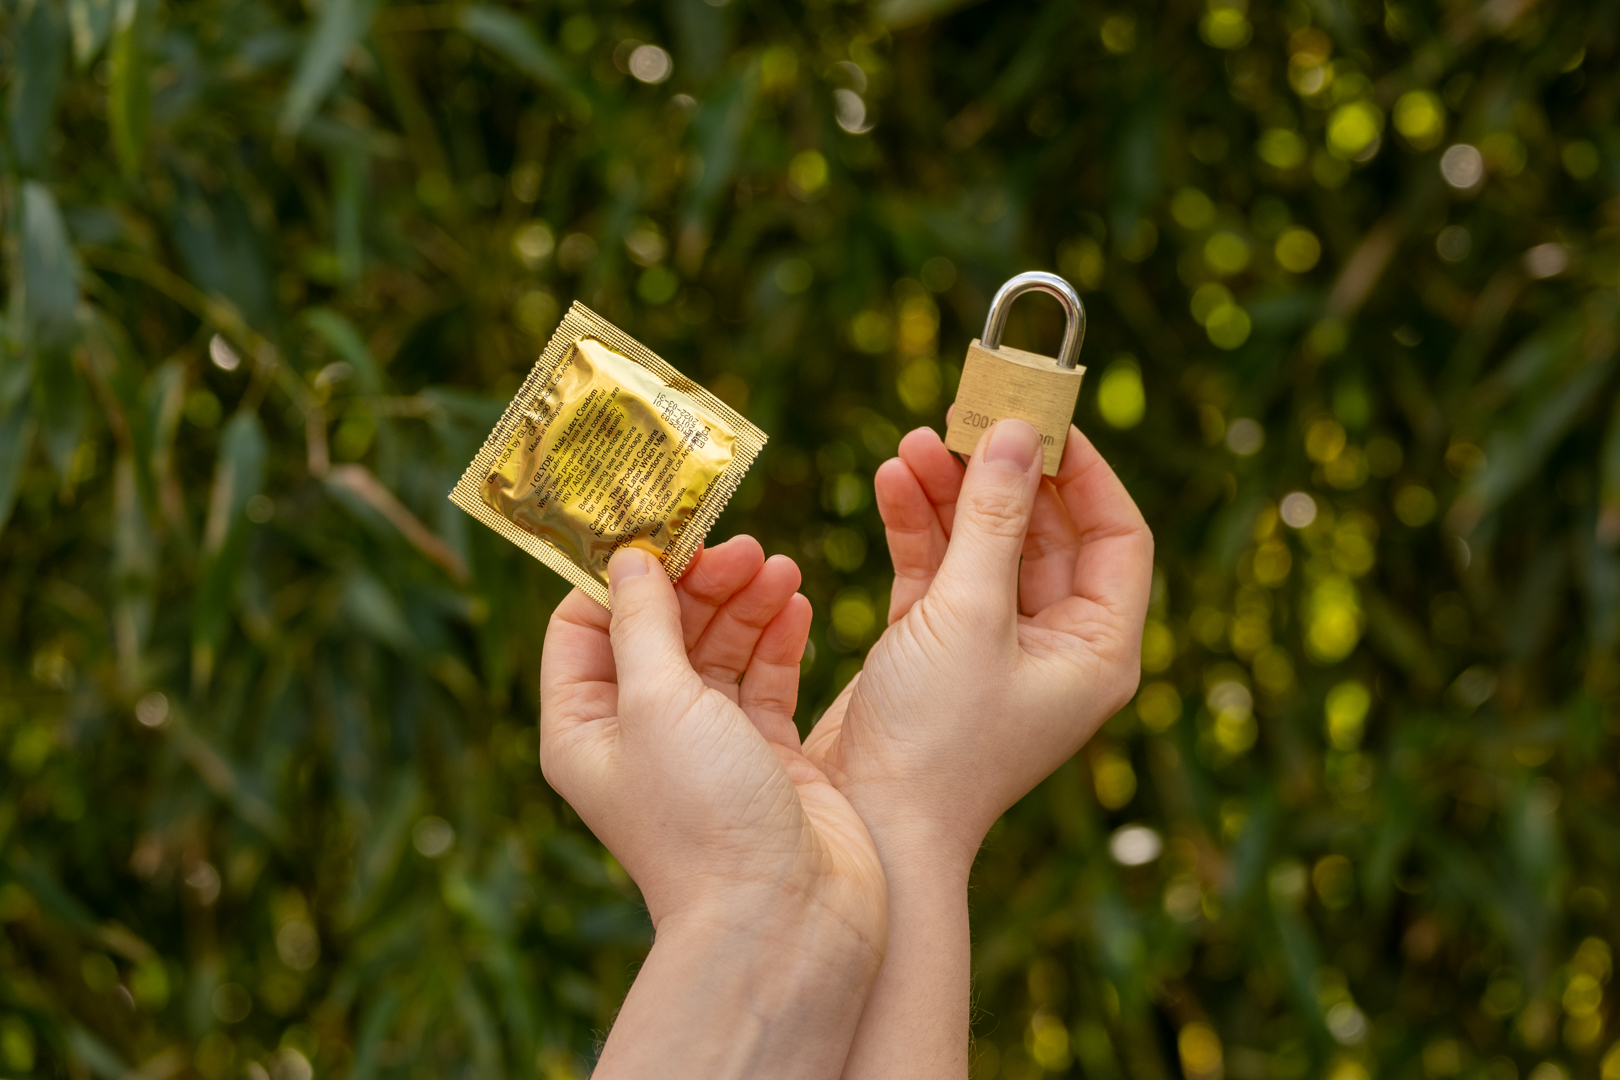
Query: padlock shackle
{"x":1074,"y":312}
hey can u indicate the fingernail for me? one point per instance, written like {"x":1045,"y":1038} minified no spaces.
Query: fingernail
{"x":627,"y":563}
{"x":1014,"y":443}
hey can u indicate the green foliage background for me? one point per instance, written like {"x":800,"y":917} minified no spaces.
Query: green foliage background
{"x":270,"y":799}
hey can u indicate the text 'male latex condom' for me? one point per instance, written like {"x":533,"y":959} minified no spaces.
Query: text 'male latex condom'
{"x":607,"y":446}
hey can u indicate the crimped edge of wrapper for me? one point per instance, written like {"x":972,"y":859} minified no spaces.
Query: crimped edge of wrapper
{"x":581,"y":322}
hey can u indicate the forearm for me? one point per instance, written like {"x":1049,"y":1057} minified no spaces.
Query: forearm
{"x":717,"y":999}
{"x":916,"y":1020}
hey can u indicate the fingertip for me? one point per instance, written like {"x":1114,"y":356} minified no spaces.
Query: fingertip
{"x":627,"y":564}
{"x":891,"y":476}
{"x":784,"y":637}
{"x":937,"y":469}
{"x":902,"y":500}
{"x":797,"y":612}
{"x":784,"y":566}
{"x":920,"y":440}
{"x":723,"y":569}
{"x":743,"y":542}
{"x":894,"y":467}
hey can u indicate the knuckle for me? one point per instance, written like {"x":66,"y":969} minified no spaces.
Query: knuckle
{"x":632,"y":602}
{"x":998,"y":511}
{"x":725,"y":672}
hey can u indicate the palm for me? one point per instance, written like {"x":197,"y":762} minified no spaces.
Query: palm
{"x":734,"y":768}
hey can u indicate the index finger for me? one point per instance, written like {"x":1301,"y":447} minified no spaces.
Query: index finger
{"x":712,"y":578}
{"x":577,"y":674}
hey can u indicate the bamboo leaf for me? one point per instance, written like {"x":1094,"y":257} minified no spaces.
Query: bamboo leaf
{"x":129,"y":97}
{"x":374,"y":1026}
{"x":40,"y":59}
{"x":238,"y":477}
{"x":16,"y":440}
{"x":338,"y":29}
{"x":50,"y":298}
{"x":91,"y":20}
{"x":1515,"y":452}
{"x":374,"y":611}
{"x":50,"y":275}
{"x":96,"y":1056}
{"x":514,"y":38}
{"x":718,"y":131}
{"x":346,"y":341}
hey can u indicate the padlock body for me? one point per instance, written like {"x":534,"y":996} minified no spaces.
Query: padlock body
{"x":1007,"y":383}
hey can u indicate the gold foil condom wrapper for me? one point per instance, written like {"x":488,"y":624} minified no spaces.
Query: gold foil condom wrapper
{"x":607,"y":446}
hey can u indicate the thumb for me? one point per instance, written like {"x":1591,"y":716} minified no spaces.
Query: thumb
{"x":649,"y":653}
{"x":980,"y":569}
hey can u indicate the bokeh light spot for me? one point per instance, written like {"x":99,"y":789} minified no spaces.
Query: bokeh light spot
{"x":1345,"y":712}
{"x":1420,"y":117}
{"x":1298,"y":509}
{"x":651,"y":64}
{"x":1228,"y":326}
{"x":1120,"y":396}
{"x":1463,"y":166}
{"x":1158,"y":705}
{"x":1135,"y":845}
{"x":1281,"y":148}
{"x":1298,"y":250}
{"x":1353,"y":129}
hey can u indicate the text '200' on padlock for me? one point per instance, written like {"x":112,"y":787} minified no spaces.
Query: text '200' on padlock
{"x":1002,"y":383}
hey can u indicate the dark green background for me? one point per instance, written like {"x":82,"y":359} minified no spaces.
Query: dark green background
{"x":270,"y":799}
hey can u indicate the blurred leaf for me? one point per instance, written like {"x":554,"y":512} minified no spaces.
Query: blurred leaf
{"x":373,"y":1031}
{"x":357,"y":488}
{"x":16,"y":440}
{"x":226,"y":781}
{"x":50,"y":287}
{"x":513,"y":38}
{"x":339,"y":27}
{"x":58,"y":901}
{"x":718,"y":131}
{"x":40,"y":54}
{"x":382,"y":849}
{"x":224,"y":251}
{"x":129,"y":97}
{"x":50,"y":297}
{"x":1517,"y":450}
{"x":345,"y":340}
{"x":90,"y":20}
{"x":96,"y":1055}
{"x":374,"y":611}
{"x":238,"y":477}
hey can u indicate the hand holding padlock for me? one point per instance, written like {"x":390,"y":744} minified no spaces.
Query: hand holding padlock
{"x":999,"y":382}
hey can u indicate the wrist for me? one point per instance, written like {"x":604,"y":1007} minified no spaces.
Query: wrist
{"x":784,"y":925}
{"x":773,"y":986}
{"x":917,"y":844}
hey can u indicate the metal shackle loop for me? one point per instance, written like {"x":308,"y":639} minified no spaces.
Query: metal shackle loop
{"x":1074,"y":312}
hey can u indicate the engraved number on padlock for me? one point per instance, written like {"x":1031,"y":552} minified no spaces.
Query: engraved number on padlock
{"x":1000,"y":382}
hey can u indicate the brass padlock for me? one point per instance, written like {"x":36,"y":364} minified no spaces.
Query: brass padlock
{"x":1000,"y":383}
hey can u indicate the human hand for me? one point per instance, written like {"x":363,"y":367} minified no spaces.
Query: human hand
{"x":1015,"y":631}
{"x":668,"y":726}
